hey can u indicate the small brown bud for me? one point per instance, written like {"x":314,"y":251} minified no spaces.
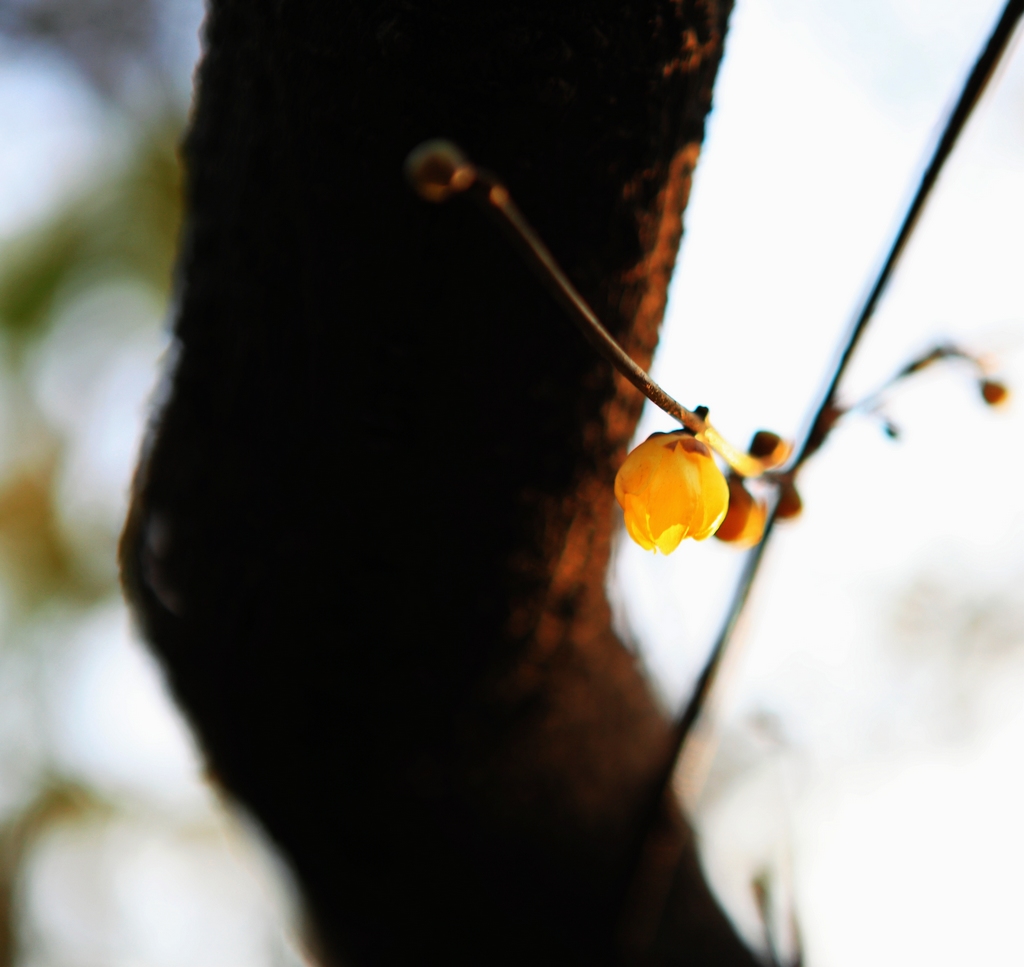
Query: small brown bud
{"x":438,"y":169}
{"x":744,"y":520}
{"x":790,"y":505}
{"x":769,"y":448}
{"x":994,"y":393}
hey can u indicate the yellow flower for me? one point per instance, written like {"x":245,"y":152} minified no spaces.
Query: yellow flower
{"x":669,"y":488}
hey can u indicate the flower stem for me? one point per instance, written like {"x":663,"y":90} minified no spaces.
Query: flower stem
{"x":438,"y":170}
{"x":974,"y":87}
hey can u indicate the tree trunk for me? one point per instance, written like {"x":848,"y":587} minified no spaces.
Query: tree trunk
{"x":371,"y":528}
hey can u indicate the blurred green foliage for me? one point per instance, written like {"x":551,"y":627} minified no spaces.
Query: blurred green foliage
{"x":124,"y":226}
{"x":39,"y":562}
{"x":127,"y":225}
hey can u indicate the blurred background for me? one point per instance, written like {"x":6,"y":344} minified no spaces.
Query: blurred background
{"x":864,"y":759}
{"x":113,"y":848}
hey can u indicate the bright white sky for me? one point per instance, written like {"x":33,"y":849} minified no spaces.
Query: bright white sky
{"x":871,"y":732}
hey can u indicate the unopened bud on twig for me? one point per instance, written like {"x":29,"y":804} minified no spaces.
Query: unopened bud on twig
{"x":993,"y":392}
{"x":790,"y":505}
{"x":770,"y":449}
{"x":437,"y":170}
{"x":744,"y":521}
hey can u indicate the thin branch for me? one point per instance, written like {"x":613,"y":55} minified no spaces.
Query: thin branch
{"x":706,"y":680}
{"x":974,"y":87}
{"x":826,"y":412}
{"x":438,"y":170}
{"x":874,"y":399}
{"x":490,"y":192}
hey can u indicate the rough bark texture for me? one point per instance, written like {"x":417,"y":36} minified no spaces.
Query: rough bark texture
{"x":370,"y":532}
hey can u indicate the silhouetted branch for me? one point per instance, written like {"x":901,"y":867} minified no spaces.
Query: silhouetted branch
{"x":826,"y":413}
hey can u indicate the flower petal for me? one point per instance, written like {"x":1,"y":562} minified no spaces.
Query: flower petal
{"x":637,"y":521}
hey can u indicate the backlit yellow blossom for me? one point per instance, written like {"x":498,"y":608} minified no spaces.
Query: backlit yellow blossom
{"x":669,"y":488}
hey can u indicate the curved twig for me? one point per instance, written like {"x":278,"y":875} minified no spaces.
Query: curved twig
{"x":438,"y":170}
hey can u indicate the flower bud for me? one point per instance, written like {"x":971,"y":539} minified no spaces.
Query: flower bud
{"x":994,"y":393}
{"x":790,"y":503}
{"x":438,"y":169}
{"x":669,"y":488}
{"x":769,"y":448}
{"x":744,"y":521}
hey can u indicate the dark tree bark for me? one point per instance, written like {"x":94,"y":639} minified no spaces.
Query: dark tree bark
{"x":370,"y":532}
